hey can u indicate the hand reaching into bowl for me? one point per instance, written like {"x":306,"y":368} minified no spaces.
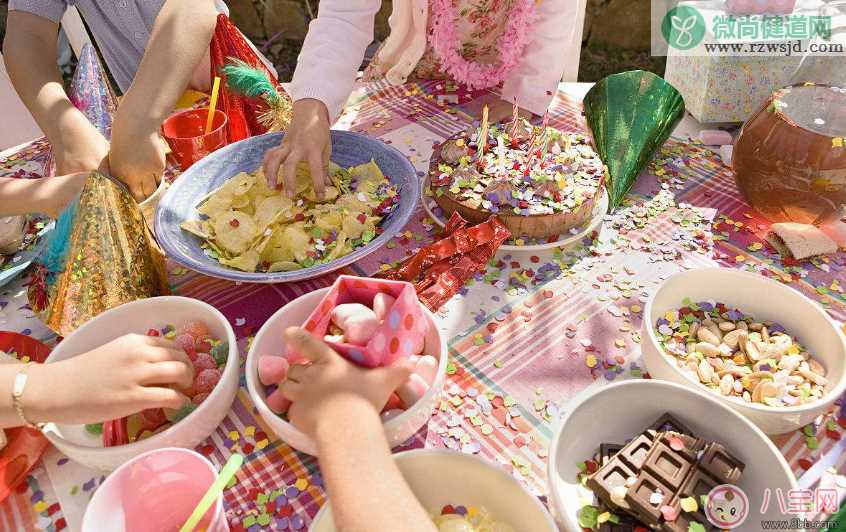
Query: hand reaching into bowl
{"x":307,"y":141}
{"x":338,"y":404}
{"x":127,"y":375}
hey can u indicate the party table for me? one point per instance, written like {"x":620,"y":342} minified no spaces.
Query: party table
{"x":525,"y":336}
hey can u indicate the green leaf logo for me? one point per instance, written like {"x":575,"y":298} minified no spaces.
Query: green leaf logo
{"x":683,"y":27}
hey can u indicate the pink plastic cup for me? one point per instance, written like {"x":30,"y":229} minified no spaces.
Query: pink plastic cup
{"x":185,"y":134}
{"x":155,"y":492}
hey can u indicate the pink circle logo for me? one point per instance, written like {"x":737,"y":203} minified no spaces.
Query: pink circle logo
{"x":728,"y":506}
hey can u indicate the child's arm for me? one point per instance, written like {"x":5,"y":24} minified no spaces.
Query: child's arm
{"x":127,"y":375}
{"x":47,"y":195}
{"x":178,"y":42}
{"x":30,"y":52}
{"x":337,"y":404}
{"x":326,"y":69}
{"x":534,"y":81}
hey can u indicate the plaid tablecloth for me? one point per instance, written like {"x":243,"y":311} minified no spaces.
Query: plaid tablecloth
{"x":525,"y":336}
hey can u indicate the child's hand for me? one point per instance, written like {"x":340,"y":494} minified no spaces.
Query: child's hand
{"x":307,"y":140}
{"x":124,"y":376}
{"x":329,"y":382}
{"x":138,"y":160}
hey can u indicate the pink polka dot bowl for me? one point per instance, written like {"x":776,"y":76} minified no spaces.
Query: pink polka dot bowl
{"x":270,"y":341}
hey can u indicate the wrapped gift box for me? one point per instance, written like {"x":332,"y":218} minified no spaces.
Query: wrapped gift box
{"x":730,"y":88}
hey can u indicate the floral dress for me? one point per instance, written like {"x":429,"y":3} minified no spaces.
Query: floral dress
{"x":480,"y":23}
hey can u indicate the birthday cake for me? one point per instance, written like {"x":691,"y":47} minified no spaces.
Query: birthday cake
{"x":538,"y":180}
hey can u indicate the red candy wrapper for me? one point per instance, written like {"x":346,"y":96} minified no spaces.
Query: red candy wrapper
{"x":402,"y":333}
{"x":439,"y":270}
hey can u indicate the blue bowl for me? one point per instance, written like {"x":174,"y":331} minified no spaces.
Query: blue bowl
{"x":348,"y":149}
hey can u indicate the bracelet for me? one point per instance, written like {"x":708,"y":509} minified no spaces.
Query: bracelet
{"x":17,"y":393}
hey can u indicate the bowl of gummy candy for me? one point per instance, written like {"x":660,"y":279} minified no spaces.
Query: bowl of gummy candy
{"x":462,"y":493}
{"x":209,"y":341}
{"x":407,"y":410}
{"x":762,"y":348}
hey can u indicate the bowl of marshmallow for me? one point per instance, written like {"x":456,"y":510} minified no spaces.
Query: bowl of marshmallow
{"x":371,"y":322}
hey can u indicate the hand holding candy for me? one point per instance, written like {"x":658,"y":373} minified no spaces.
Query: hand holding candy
{"x":330,"y":380}
{"x":127,"y":375}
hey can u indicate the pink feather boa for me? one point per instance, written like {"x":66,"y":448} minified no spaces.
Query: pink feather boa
{"x":510,"y":45}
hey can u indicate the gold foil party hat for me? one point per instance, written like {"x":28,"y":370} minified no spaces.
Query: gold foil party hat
{"x":101,"y":255}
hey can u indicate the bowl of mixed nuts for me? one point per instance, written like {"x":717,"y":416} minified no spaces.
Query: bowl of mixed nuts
{"x":769,"y":352}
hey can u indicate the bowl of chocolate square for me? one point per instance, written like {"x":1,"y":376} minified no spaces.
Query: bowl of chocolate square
{"x":663,"y":457}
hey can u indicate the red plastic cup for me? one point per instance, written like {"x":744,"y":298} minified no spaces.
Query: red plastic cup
{"x":185,"y":134}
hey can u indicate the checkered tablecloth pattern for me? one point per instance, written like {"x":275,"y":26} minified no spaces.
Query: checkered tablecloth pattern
{"x":525,"y":336}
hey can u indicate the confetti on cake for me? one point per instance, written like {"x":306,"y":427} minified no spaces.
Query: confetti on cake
{"x":538,"y":180}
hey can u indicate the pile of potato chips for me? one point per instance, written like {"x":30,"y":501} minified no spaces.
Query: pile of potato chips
{"x":249,"y":226}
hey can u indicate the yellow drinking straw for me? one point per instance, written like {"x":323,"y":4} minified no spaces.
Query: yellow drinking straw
{"x":226,"y":474}
{"x":212,"y":104}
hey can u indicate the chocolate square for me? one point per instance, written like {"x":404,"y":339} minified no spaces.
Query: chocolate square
{"x":639,"y":496}
{"x":635,"y":452}
{"x":668,"y":422}
{"x":721,"y":464}
{"x":668,"y":466}
{"x":607,"y":451}
{"x":697,"y":484}
{"x":613,"y":474}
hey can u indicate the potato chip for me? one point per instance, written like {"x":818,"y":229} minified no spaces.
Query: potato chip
{"x":273,"y":208}
{"x":246,"y":262}
{"x":234,"y":231}
{"x":284,"y":266}
{"x":196,"y":227}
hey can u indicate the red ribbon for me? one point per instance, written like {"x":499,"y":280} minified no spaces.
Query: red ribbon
{"x":439,"y":270}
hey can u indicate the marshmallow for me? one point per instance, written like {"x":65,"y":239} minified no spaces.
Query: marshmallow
{"x":382,"y":304}
{"x":272,"y":369}
{"x":277,"y":402}
{"x":426,"y":367}
{"x":358,"y":322}
{"x":412,"y":390}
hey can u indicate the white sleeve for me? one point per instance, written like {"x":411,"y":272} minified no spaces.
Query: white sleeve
{"x":534,"y":80}
{"x":333,"y":51}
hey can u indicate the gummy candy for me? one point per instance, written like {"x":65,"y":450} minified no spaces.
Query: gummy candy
{"x":203,"y":361}
{"x":205,"y":380}
{"x":152,"y":418}
{"x":195,"y":328}
{"x":219,"y":353}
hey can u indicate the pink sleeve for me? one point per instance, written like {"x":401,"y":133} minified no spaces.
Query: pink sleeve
{"x":333,"y":51}
{"x":534,"y":80}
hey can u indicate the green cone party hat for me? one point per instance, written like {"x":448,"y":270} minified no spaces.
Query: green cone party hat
{"x":631,"y":114}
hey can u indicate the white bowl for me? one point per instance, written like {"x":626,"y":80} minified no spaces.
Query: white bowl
{"x":439,"y":477}
{"x":764,"y":299}
{"x":618,"y":412}
{"x":138,"y":317}
{"x":270,"y":341}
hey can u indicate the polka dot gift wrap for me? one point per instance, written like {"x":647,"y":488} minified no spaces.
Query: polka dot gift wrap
{"x":401,"y":334}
